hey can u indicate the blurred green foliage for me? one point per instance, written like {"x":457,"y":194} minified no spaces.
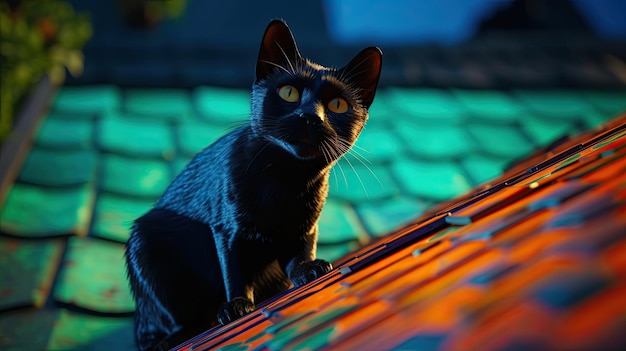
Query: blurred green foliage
{"x":148,"y":13}
{"x":38,"y":37}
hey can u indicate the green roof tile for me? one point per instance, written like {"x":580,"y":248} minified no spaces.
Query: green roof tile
{"x":168,"y":104}
{"x":377,"y":143}
{"x":26,"y":329}
{"x":134,"y":137}
{"x":381,"y":217}
{"x":79,"y":331}
{"x":500,"y":140}
{"x":490,"y":104}
{"x":27,"y":211}
{"x":28,"y":270}
{"x":194,"y":136}
{"x":135,"y":177}
{"x":435,"y":141}
{"x":430,"y":180}
{"x":543,"y":131}
{"x":58,"y":168}
{"x":179,"y":164}
{"x":594,"y":119}
{"x":356,"y":182}
{"x":428,"y":105}
{"x":114,"y":215}
{"x":555,"y":104}
{"x":56,"y":133}
{"x":93,"y":276}
{"x":229,"y":106}
{"x":382,"y":108}
{"x":339,"y":223}
{"x":481,"y":168}
{"x":90,"y":100}
{"x":610,"y":103}
{"x":334,"y":252}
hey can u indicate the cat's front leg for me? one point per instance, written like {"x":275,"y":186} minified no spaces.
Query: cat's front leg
{"x":238,"y":295}
{"x":234,"y":309}
{"x":303,"y":268}
{"x":305,"y":272}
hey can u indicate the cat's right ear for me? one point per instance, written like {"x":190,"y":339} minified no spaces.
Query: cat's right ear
{"x":278,"y":50}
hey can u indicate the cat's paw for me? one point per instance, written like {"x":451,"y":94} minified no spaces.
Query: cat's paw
{"x":234,"y":309}
{"x":309,"y":271}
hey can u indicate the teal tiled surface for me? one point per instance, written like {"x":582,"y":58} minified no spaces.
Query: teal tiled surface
{"x":59,"y":133}
{"x":104,"y":154}
{"x":89,"y":277}
{"x":138,"y":138}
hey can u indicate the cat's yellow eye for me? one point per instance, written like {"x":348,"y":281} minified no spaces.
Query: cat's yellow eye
{"x":338,"y":105}
{"x":289,"y":93}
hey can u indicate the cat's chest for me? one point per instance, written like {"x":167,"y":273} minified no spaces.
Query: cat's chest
{"x":279,"y":207}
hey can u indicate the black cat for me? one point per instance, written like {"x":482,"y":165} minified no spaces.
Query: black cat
{"x":239,"y":224}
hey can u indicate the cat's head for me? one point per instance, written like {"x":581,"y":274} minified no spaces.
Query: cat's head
{"x":311,"y":111}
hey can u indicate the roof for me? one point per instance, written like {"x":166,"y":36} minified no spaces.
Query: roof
{"x":103,"y":154}
{"x":534,"y":260}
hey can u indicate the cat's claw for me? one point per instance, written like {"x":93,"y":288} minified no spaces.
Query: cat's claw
{"x":234,"y":309}
{"x":309,"y":271}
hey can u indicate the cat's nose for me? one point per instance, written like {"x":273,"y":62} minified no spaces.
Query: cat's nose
{"x":311,"y":120}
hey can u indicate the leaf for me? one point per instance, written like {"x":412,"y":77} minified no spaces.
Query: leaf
{"x":57,"y":75}
{"x":74,"y":62}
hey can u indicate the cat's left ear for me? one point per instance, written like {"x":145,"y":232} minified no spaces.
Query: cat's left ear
{"x":364,"y":71}
{"x":278,"y":50}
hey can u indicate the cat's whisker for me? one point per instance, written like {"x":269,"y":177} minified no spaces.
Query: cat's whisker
{"x":353,"y":150}
{"x":237,"y":124}
{"x":357,"y":156}
{"x":363,"y":162}
{"x":342,"y":146}
{"x":286,"y":57}
{"x":276,"y":65}
{"x":325,"y":152}
{"x":343,"y":174}
{"x":358,"y":176}
{"x":255,"y":156}
{"x":365,"y":59}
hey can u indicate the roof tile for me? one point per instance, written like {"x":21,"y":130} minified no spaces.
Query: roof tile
{"x":79,"y":331}
{"x":381,"y":217}
{"x":223,"y":105}
{"x":490,"y":104}
{"x":194,"y":136}
{"x":26,"y":329}
{"x":481,"y":168}
{"x":544,"y":132}
{"x":135,"y":177}
{"x":27,"y":211}
{"x":33,"y":266}
{"x":555,"y":104}
{"x":334,"y":252}
{"x":611,"y":103}
{"x":135,"y":137}
{"x":167,"y":104}
{"x":91,"y":277}
{"x":377,"y":143}
{"x":430,"y":180}
{"x":114,"y":215}
{"x":435,"y":141}
{"x":427,"y":105}
{"x":353,"y":181}
{"x":500,"y":140}
{"x":89,"y":100}
{"x":57,"y":133}
{"x":58,"y":168}
{"x":339,"y":223}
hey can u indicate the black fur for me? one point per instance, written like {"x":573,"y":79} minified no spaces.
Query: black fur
{"x":239,"y":224}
